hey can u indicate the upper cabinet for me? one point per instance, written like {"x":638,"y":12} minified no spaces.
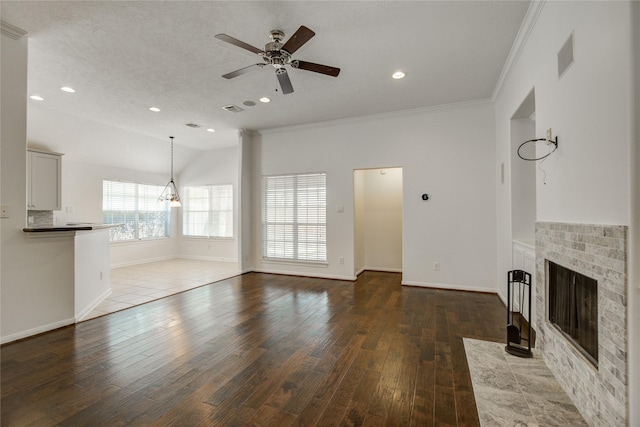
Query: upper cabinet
{"x":44,"y":181}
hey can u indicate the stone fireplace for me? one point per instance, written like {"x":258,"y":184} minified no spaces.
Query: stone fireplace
{"x":598,"y":252}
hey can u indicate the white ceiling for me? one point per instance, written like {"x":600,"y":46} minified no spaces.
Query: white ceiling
{"x":124,"y":57}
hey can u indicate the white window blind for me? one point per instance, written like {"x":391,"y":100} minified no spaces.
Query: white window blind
{"x":136,"y":207}
{"x":294,"y":223}
{"x":208,"y":211}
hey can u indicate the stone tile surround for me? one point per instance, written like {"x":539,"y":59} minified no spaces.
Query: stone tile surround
{"x":600,"y":252}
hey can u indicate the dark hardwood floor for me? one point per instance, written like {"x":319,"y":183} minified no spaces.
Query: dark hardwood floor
{"x":259,"y":349}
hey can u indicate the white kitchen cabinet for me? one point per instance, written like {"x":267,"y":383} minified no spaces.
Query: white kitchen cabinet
{"x":44,"y":181}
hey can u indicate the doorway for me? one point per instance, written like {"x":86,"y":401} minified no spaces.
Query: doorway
{"x":378,"y":219}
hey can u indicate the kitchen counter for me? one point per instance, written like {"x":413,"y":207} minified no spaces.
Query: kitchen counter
{"x":70,"y":226}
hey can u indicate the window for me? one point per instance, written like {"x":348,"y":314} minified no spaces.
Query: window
{"x":208,"y":211}
{"x":294,"y":212}
{"x":136,"y":206}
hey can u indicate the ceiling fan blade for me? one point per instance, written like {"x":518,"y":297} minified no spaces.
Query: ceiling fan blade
{"x":283,"y":79}
{"x":241,"y":71}
{"x":298,"y":39}
{"x":316,"y":68}
{"x":236,"y":42}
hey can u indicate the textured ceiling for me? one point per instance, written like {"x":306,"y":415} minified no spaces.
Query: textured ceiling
{"x":123,"y":57}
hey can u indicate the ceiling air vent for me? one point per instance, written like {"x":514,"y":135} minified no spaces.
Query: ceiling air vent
{"x":232,"y":108}
{"x":192,"y":125}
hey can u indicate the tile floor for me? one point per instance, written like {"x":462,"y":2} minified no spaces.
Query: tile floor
{"x":514,"y":391}
{"x":141,"y":283}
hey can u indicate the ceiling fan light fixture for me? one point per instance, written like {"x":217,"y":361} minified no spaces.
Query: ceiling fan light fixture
{"x":398,"y":75}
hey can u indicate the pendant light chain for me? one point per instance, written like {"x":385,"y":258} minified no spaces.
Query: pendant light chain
{"x":171,"y":158}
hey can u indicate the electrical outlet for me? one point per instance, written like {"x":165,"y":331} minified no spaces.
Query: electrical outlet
{"x":436,"y":266}
{"x":341,"y":259}
{"x":5,"y":211}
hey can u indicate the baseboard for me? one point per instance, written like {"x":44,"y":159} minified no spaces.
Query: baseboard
{"x":449,"y":287}
{"x":80,"y":316}
{"x":296,"y":273}
{"x":384,"y":270}
{"x":143,"y":261}
{"x":207,"y":258}
{"x":36,"y":331}
{"x":359,"y":272}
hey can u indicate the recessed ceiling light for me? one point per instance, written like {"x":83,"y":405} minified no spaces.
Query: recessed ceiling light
{"x":154,"y":109}
{"x":36,"y":98}
{"x":67,"y":89}
{"x":398,"y":75}
{"x":265,"y":99}
{"x":249,"y":103}
{"x":211,"y":130}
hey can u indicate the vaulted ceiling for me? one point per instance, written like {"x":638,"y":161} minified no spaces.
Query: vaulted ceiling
{"x":126,"y":56}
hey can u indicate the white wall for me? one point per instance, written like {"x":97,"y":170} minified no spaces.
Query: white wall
{"x":634,"y":234}
{"x":82,"y":193}
{"x":448,"y":153}
{"x":378,"y":207}
{"x":36,"y":274}
{"x":92,"y":278}
{"x":359,"y":221}
{"x":212,"y":167}
{"x":88,"y":141}
{"x":523,"y":182}
{"x":588,"y":178}
{"x":245,"y":173}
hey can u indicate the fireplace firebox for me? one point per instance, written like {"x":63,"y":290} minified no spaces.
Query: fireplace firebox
{"x":573,"y":308}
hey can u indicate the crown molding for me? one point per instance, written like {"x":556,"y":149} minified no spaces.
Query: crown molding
{"x":374,"y":117}
{"x":11,"y":31}
{"x":528,"y":23}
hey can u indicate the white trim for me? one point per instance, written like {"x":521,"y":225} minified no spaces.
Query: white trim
{"x":375,"y":117}
{"x":384,"y":270}
{"x":208,"y":258}
{"x":449,"y":286}
{"x":80,"y":316}
{"x":11,"y":31}
{"x":359,"y":272}
{"x":285,"y":261}
{"x":142,"y":261}
{"x":528,"y":23}
{"x":304,"y":274}
{"x":38,"y":330}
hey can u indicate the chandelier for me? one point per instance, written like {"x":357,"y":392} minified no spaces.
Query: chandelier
{"x":170,"y":192}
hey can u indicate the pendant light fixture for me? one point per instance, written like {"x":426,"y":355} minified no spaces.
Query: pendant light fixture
{"x":170,"y":192}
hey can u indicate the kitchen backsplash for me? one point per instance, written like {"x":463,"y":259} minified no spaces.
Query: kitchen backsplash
{"x":39,"y":218}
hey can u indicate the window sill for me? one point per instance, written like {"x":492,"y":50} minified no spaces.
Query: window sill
{"x":208,"y":238}
{"x":322,"y":264}
{"x":138,"y":241}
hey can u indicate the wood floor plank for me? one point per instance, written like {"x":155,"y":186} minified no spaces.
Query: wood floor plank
{"x":259,"y":349}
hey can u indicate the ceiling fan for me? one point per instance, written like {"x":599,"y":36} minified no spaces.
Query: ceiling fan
{"x":278,"y":55}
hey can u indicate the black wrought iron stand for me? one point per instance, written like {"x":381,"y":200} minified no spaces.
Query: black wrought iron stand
{"x":519,"y":313}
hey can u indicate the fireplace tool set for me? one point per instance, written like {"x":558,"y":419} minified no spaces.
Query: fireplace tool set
{"x":519,"y":314}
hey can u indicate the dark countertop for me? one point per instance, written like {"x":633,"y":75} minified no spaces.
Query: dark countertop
{"x":71,"y":226}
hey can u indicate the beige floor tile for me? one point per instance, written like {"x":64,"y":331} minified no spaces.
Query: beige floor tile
{"x":141,"y":283}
